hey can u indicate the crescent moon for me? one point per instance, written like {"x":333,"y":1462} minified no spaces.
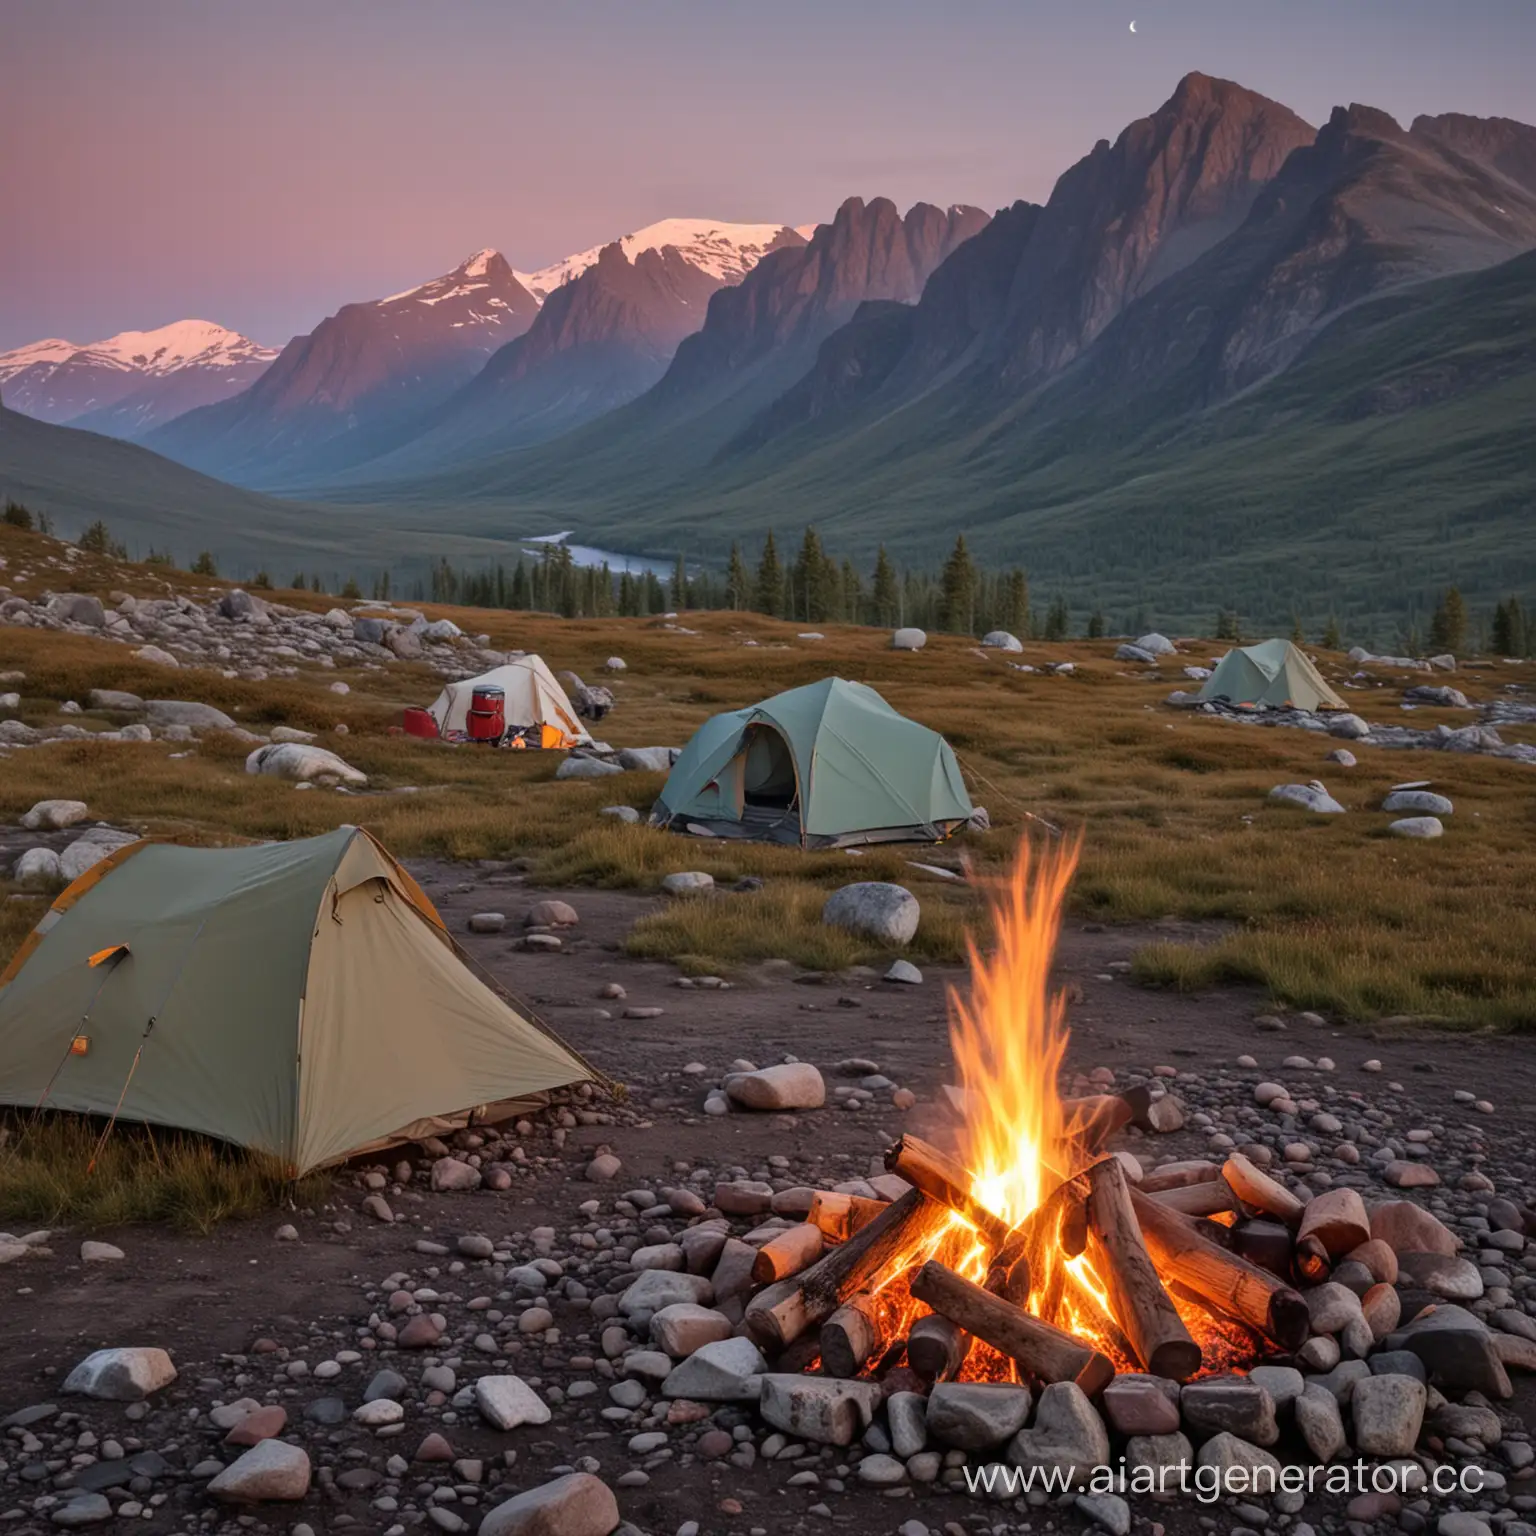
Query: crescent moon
{"x":1133,"y":26}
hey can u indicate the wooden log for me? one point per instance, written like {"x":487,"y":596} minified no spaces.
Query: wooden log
{"x":1037,"y":1347}
{"x":1056,"y":1229}
{"x":1203,"y":1199}
{"x":1009,"y":1274}
{"x":787,"y":1253}
{"x":840,"y":1216}
{"x":781,"y":1313}
{"x":1223,"y":1280}
{"x":1178,"y":1175}
{"x":850,"y":1336}
{"x":937,"y":1347}
{"x":1138,"y":1301}
{"x":1260,"y":1194}
{"x":1311,"y":1260}
{"x":943,"y":1179}
{"x":1093,"y":1120}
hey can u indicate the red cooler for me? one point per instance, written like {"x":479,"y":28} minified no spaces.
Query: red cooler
{"x":487,"y":715}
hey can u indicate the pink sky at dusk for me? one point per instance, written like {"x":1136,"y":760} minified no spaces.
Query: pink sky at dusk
{"x":260,"y":162}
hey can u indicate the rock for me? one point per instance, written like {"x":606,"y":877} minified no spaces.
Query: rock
{"x":1377,"y":1257}
{"x":587,"y":768}
{"x":1142,"y":1405}
{"x":90,"y":849}
{"x":1443,"y":1275}
{"x":121,"y":1375}
{"x":54,"y":815}
{"x":725,"y":1371}
{"x":654,"y":1289}
{"x":1284,"y":1383}
{"x":1419,"y":800}
{"x":1310,"y":797}
{"x":78,"y":608}
{"x":291,"y":733}
{"x":908,"y":640}
{"x":504,"y":1402}
{"x":1444,"y":698}
{"x":647,"y":759}
{"x":449,"y":1174}
{"x":819,"y":1408}
{"x":625,"y":813}
{"x":1001,"y":640}
{"x":1337,"y":1218}
{"x":875,"y":909}
{"x":1459,"y":1522}
{"x":487,"y":922}
{"x":906,"y":1418}
{"x":1331,"y":1307}
{"x":603,"y":1168}
{"x":424,"y":1331}
{"x":976,"y":1416}
{"x":269,"y":1471}
{"x":1408,"y":1228}
{"x":441,"y":631}
{"x":794,"y":1085}
{"x":1155,"y":644}
{"x":303,"y":765}
{"x":37,"y":864}
{"x":378,"y":1413}
{"x":691,"y":882}
{"x":1235,"y":1404}
{"x":81,"y":1510}
{"x":1349,"y":727}
{"x":1381,"y":1309}
{"x":1108,"y":1510}
{"x":684,"y":1327}
{"x":260,"y":1424}
{"x":904,"y":971}
{"x":1417,"y":826}
{"x":575,"y":1505}
{"x":1155,"y":1452}
{"x":101,"y":1253}
{"x":1134,"y":653}
{"x":1067,"y":1438}
{"x":197,"y":717}
{"x":1457,"y":1349}
{"x":881,"y":1470}
{"x":1320,"y":1422}
{"x":1387,"y":1412}
{"x":156,"y":656}
{"x":615,"y":664}
{"x":1227,"y":1453}
{"x":551,"y":914}
{"x":1343,"y":757}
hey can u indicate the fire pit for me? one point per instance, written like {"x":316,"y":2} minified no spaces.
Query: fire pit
{"x":1030,"y":1255}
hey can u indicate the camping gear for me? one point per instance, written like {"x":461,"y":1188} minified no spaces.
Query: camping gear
{"x":1273,"y":674}
{"x":531,"y":699}
{"x":487,"y":713}
{"x":303,"y":999}
{"x":419,"y":723}
{"x":825,"y":766}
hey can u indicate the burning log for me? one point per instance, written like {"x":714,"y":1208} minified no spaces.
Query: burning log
{"x":1260,"y":1194}
{"x":1009,"y":1274}
{"x":1207,"y":1198}
{"x":840,"y":1216}
{"x":941,"y":1178}
{"x":1311,"y":1260}
{"x":1138,"y":1301}
{"x":936,"y":1347}
{"x":1093,"y":1120}
{"x":781,"y":1313}
{"x":1040,"y":1349}
{"x":787,"y":1253}
{"x":1220,"y":1278}
{"x":850,"y":1336}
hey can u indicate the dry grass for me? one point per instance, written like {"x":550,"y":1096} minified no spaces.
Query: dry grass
{"x":46,"y":1178}
{"x":1328,"y":912}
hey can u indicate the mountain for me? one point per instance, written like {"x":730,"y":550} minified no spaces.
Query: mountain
{"x":345,"y":392}
{"x":133,"y":381}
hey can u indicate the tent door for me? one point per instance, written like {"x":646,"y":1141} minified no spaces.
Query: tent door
{"x":769,"y":781}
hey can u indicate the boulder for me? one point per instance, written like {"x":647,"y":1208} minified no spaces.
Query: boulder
{"x":239,"y":604}
{"x":156,"y":656}
{"x":1155,"y":644}
{"x":274,"y":1469}
{"x":687,"y":882}
{"x":1418,"y":800}
{"x":975,"y":1415}
{"x":1320,"y":1422}
{"x":1134,"y":653}
{"x":908,"y":640}
{"x":1234,"y":1404}
{"x":1417,"y":826}
{"x":654,"y":1289}
{"x":1447,"y":1276}
{"x":1068,"y":1438}
{"x":1142,"y":1405}
{"x":504,"y":1402}
{"x":114,"y":698}
{"x":587,"y":768}
{"x":1457,"y":1350}
{"x":903,"y":971}
{"x":875,"y":909}
{"x":449,"y":1174}
{"x":625,"y":813}
{"x":724,"y":1371}
{"x":615,"y":664}
{"x":37,"y":864}
{"x":647,"y":759}
{"x":78,"y":608}
{"x":1337,"y":1219}
{"x":187,"y":712}
{"x":1310,"y":797}
{"x":685,"y":1327}
{"x":1001,"y":640}
{"x":54,"y":815}
{"x":575,"y":1505}
{"x":90,"y":848}
{"x":121,"y":1375}
{"x":551,"y":913}
{"x":1408,"y":1228}
{"x":368,"y":631}
{"x":1388,"y":1412}
{"x":820,"y":1408}
{"x":441,"y":631}
{"x":1227,"y":1453}
{"x":794,"y":1085}
{"x":487,"y":922}
{"x":1441,"y":697}
{"x":302,"y":764}
{"x":1350,"y":727}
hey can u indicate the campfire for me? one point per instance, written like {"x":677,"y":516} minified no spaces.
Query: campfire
{"x":1030,"y":1253}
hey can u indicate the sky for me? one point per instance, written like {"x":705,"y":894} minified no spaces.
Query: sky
{"x":261,"y":162}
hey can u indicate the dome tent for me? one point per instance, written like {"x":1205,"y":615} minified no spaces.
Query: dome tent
{"x":532,"y":698}
{"x":301,"y":999}
{"x":824,"y":766}
{"x":1273,"y":673}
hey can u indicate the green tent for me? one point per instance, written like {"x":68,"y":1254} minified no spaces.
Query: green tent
{"x":1273,"y":673}
{"x":822,"y":766}
{"x":302,"y":999}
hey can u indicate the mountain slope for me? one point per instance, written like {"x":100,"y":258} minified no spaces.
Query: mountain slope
{"x":133,"y":381}
{"x":344,"y":392}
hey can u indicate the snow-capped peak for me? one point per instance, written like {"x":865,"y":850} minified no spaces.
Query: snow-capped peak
{"x":478,"y":264}
{"x":725,"y":251}
{"x":472,"y":273}
{"x":184,"y":343}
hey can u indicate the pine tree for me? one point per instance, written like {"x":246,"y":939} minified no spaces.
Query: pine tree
{"x":17,"y":516}
{"x":679,"y":587}
{"x":852,"y":594}
{"x":1297,"y":638}
{"x":817,"y":586}
{"x":957,"y":604}
{"x":885,"y":599}
{"x":1227,"y":627}
{"x":1509,"y":629}
{"x":1332,"y":640}
{"x":770,"y":580}
{"x":96,"y":540}
{"x":1095,"y":630}
{"x":1015,"y":614}
{"x":1057,"y":620}
{"x":738,"y":585}
{"x":1448,"y":627}
{"x":298,"y":581}
{"x":351,"y":589}
{"x":204,"y":565}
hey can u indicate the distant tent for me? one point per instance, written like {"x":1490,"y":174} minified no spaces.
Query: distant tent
{"x":823,"y":766}
{"x":533,"y":699}
{"x":1272,"y":673}
{"x":303,"y":999}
